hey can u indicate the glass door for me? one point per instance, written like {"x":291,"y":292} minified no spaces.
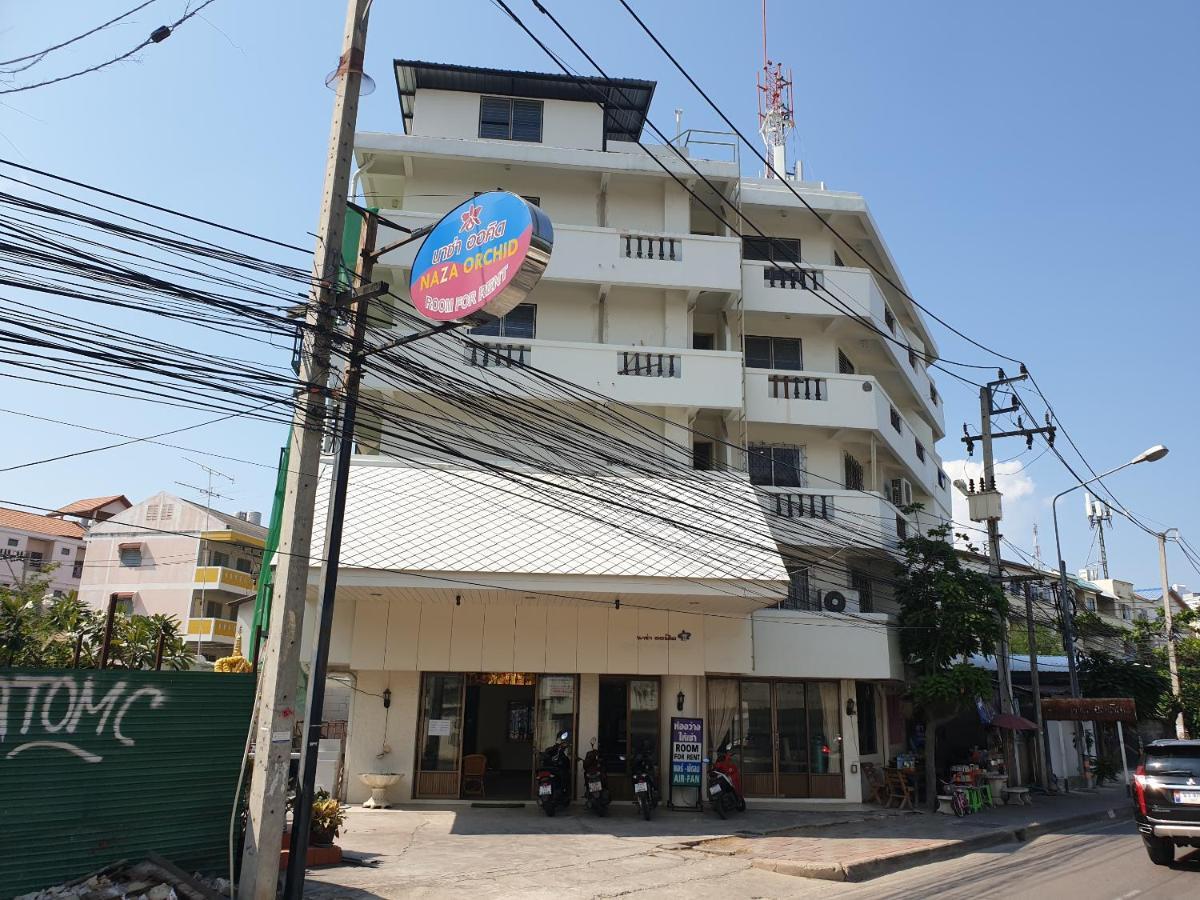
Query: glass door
{"x":792,"y":724}
{"x":757,"y":738}
{"x":825,"y":738}
{"x":554,"y":713}
{"x":440,"y":733}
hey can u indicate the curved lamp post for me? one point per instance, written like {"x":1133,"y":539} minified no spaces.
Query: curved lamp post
{"x":1153,"y":454}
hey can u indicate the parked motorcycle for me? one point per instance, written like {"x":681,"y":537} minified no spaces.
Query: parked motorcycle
{"x":725,"y":783}
{"x":554,"y":776}
{"x":645,"y":781}
{"x":595,"y":782}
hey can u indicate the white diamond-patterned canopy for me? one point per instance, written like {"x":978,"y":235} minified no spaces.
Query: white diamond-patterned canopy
{"x":706,"y":528}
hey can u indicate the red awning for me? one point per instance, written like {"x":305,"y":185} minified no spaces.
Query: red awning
{"x":1013,"y":723}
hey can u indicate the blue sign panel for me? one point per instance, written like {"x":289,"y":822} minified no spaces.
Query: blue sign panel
{"x":687,"y":752}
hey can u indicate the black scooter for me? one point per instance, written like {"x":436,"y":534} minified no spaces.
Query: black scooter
{"x":554,"y":776}
{"x":595,"y":782}
{"x":645,"y":781}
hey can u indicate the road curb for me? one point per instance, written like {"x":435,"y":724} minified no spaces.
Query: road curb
{"x":884,"y":865}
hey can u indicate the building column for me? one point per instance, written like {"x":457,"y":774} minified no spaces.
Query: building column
{"x":851,"y":777}
{"x":588,"y":717}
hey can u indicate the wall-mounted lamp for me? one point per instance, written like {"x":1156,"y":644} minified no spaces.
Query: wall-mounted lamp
{"x":850,"y":710}
{"x":458,"y":599}
{"x":387,"y":698}
{"x":679,"y":698}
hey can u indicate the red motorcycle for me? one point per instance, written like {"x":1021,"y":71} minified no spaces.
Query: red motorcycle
{"x":725,"y":783}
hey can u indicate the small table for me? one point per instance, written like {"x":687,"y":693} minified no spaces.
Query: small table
{"x":1017,"y":796}
{"x":997,"y":782}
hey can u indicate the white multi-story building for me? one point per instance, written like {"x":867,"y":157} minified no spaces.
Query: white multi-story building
{"x":489,"y":615}
{"x":51,"y":546}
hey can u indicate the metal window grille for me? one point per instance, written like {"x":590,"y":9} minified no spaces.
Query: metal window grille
{"x":845,"y":366}
{"x":920,"y":451}
{"x":889,"y":319}
{"x":854,"y":473}
{"x":933,"y":394}
{"x":861,"y":582}
{"x":799,"y":596}
{"x":901,"y":528}
{"x":895,"y":416}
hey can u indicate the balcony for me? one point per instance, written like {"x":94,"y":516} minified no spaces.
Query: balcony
{"x":841,"y":401}
{"x":646,"y":376}
{"x":220,"y":578}
{"x":594,"y":255}
{"x":845,"y":294}
{"x":219,"y":631}
{"x":831,"y":516}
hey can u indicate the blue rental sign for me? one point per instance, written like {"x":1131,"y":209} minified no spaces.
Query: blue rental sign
{"x":484,"y":255}
{"x":687,"y":751}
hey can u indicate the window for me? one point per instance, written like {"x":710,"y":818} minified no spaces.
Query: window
{"x":781,"y":465}
{"x":933,"y":394}
{"x":920,"y":450}
{"x":785,"y":251}
{"x":65,"y":551}
{"x":243,"y":565}
{"x":798,"y":595}
{"x":13,"y":542}
{"x":912,"y":358}
{"x":123,"y":605}
{"x":774,"y":353}
{"x":703,"y":341}
{"x":868,"y":729}
{"x":837,"y":259}
{"x":131,"y":557}
{"x":889,"y":318}
{"x":519,"y":322}
{"x":861,"y":582}
{"x":1126,"y":612}
{"x":36,"y":559}
{"x":509,"y":119}
{"x":528,"y":198}
{"x":854,"y":473}
{"x":702,"y":455}
{"x":57,"y":595}
{"x":845,"y":367}
{"x":941,"y":479}
{"x":77,"y":569}
{"x":895,"y":418}
{"x":217,"y":558}
{"x":901,"y":528}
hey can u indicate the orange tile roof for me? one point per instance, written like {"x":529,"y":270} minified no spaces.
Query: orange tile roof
{"x":25,"y":521}
{"x":79,"y":507}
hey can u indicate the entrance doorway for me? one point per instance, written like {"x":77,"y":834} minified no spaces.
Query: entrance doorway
{"x":480,"y":734}
{"x":628,"y":723}
{"x":498,"y":736}
{"x":786,"y":735}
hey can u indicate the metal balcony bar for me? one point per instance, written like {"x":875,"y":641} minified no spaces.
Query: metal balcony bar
{"x":795,"y":279}
{"x":803,"y":506}
{"x":493,"y":355}
{"x":798,"y":387}
{"x":654,"y":365}
{"x":643,"y":246}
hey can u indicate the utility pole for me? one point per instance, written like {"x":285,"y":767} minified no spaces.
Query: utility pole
{"x":986,"y":506}
{"x":1039,"y":756}
{"x":276,"y":711}
{"x":1172,"y":665}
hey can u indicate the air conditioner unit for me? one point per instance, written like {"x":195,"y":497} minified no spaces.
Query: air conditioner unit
{"x":839,"y":600}
{"x":902,"y":494}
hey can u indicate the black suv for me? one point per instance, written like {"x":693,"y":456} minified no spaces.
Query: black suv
{"x":1166,"y":796}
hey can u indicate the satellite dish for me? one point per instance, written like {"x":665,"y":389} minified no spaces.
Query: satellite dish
{"x":366,"y":87}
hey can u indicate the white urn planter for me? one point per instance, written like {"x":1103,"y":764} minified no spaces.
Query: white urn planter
{"x":378,"y":782}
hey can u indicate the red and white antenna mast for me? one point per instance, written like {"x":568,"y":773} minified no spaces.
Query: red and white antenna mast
{"x":775,"y":120}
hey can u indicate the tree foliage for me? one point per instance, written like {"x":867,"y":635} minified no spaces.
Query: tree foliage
{"x":41,"y":632}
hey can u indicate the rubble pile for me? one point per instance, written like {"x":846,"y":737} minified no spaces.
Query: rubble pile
{"x":151,"y":879}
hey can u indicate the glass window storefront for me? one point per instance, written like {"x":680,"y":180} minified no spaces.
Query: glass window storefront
{"x":786,"y":735}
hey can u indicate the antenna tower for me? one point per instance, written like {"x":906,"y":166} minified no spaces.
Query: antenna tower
{"x":1098,"y":515}
{"x":775,"y":121}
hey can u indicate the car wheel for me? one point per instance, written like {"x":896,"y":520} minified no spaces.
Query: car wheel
{"x":1160,"y":851}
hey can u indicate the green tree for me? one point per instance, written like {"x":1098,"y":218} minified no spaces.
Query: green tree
{"x":948,"y":613}
{"x":1103,"y":675}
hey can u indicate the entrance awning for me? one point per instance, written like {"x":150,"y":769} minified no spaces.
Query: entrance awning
{"x":704,"y":534}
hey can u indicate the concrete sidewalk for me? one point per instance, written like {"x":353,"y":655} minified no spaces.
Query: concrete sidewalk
{"x":862,"y":850}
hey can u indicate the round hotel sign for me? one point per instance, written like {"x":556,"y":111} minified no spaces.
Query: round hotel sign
{"x":483,"y":256}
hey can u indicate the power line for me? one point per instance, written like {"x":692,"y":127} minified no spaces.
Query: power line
{"x":42,"y":54}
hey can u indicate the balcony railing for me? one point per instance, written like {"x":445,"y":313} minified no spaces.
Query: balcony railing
{"x":653,"y":365}
{"x":225,"y":579}
{"x":794,"y":278}
{"x":222,"y":630}
{"x":803,"y":506}
{"x":497,"y":355}
{"x":798,"y":387}
{"x":644,"y":246}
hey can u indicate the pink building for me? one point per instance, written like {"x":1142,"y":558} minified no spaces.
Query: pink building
{"x":172,"y":556}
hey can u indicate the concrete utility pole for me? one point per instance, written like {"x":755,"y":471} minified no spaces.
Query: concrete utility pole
{"x":1172,"y":665}
{"x":985,"y":506}
{"x":276,"y":713}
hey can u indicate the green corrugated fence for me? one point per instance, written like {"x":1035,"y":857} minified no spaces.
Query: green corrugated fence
{"x":102,"y":765}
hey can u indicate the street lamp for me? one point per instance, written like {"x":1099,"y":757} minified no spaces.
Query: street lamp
{"x":1152,"y":454}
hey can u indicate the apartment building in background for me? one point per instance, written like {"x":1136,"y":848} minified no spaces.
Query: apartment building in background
{"x":493,"y":616}
{"x":51,"y":545}
{"x":173,"y":556}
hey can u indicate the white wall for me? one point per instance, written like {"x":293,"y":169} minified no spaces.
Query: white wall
{"x":455,"y":114}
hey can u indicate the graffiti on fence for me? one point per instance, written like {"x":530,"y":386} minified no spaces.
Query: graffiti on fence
{"x":47,"y":712}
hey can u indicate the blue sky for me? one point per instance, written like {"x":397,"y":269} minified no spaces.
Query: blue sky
{"x":1032,"y":165}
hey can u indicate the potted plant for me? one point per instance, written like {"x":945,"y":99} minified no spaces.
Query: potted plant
{"x":328,"y":816}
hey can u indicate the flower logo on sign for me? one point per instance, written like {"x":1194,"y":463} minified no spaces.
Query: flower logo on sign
{"x":470,"y":218}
